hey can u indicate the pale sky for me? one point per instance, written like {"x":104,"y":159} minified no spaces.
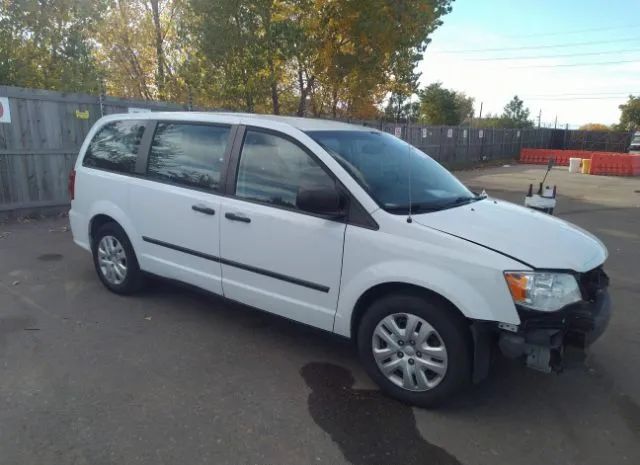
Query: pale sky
{"x":584,"y":32}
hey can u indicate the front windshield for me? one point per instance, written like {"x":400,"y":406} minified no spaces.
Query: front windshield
{"x":380,"y":163}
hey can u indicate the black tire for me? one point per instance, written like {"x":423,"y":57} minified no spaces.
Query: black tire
{"x":134,"y":277}
{"x":453,"y":330}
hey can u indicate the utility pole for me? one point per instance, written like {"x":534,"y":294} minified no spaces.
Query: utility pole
{"x":555,"y":125}
{"x":480,"y":115}
{"x":539,"y":117}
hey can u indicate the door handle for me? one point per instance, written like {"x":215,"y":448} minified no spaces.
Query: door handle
{"x":237,"y":217}
{"x":203,"y":209}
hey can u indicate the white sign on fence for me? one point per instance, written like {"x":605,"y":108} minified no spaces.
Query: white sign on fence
{"x":518,"y":133}
{"x":464,"y":134}
{"x":398,"y":131}
{"x":424,"y":133}
{"x":449,"y":133}
{"x":480,"y":134}
{"x":5,"y":111}
{"x":138,"y":110}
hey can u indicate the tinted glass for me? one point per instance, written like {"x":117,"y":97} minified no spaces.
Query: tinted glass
{"x":385,"y":166}
{"x":115,"y":147}
{"x":272,"y":169}
{"x":188,"y":154}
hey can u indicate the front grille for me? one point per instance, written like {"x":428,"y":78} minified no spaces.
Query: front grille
{"x":593,"y":282}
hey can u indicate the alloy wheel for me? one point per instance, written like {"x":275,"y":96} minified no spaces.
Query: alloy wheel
{"x":112,"y":260}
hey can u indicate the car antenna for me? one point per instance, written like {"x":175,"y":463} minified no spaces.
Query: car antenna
{"x":409,"y":219}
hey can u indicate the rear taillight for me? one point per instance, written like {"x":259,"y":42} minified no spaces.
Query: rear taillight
{"x":72,"y":184}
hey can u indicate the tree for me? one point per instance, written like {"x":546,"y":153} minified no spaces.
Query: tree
{"x":400,"y":109}
{"x":139,"y":48}
{"x":444,"y":106}
{"x":367,"y":48}
{"x":284,"y":56}
{"x":464,"y":107}
{"x":594,"y":127}
{"x":49,"y":44}
{"x":630,"y":116}
{"x":249,"y":43}
{"x":515,"y":114}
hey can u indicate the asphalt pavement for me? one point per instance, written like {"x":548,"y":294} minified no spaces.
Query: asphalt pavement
{"x":176,"y":376}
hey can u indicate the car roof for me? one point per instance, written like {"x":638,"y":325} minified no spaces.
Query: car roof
{"x":303,"y":124}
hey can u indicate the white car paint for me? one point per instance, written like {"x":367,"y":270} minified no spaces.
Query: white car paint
{"x":535,"y":238}
{"x":459,"y":253}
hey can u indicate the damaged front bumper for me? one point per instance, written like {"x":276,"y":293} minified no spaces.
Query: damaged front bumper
{"x":551,"y":341}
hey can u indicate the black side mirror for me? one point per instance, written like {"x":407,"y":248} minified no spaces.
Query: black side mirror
{"x":323,"y":200}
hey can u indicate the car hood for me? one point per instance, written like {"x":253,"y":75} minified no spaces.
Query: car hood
{"x":532,"y":237}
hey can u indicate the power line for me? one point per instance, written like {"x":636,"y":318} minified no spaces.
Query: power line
{"x":575,"y":31}
{"x":536,"y":47}
{"x":578,"y":94}
{"x":565,"y":65}
{"x":572,"y":98}
{"x":563,"y":55}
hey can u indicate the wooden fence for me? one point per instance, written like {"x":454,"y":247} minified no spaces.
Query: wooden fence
{"x":39,"y":145}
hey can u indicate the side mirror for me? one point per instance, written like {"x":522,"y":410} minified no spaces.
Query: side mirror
{"x":323,"y":200}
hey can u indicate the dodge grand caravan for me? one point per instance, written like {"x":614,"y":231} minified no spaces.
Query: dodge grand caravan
{"x":340,"y":227}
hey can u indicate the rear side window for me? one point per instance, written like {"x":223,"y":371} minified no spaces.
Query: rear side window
{"x":190,"y":155}
{"x":115,"y":147}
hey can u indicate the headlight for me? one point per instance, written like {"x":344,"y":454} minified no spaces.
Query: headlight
{"x":543,"y":291}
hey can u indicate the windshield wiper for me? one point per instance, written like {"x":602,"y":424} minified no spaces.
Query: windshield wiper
{"x":433,"y":207}
{"x":463,"y":201}
{"x":415,"y":208}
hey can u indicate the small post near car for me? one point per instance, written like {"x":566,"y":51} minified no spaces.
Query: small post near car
{"x":344,"y":228}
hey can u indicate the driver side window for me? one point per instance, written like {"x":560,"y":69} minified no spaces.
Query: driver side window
{"x":272,"y":169}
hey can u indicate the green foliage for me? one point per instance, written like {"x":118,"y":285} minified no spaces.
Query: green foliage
{"x":291,"y":56}
{"x":515,"y":115}
{"x":444,"y":106}
{"x":630,"y":114}
{"x":49,"y":44}
{"x":400,"y":109}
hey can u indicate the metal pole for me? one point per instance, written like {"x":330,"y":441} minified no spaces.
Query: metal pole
{"x":480,"y":115}
{"x":101,"y":97}
{"x":539,"y":118}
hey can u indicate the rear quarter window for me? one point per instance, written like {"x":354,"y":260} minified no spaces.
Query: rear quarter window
{"x":115,"y":147}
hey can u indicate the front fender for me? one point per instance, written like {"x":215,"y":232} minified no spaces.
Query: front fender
{"x":479,"y":294}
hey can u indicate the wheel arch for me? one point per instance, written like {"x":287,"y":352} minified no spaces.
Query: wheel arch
{"x":104,"y":212}
{"x":96,"y":222}
{"x":395,"y":287}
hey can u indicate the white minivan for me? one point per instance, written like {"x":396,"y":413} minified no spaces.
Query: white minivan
{"x":344,"y":228}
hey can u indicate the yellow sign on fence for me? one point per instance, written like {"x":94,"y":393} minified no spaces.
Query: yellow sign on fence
{"x":82,"y":114}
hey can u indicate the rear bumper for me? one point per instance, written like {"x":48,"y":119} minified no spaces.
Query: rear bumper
{"x":79,"y":229}
{"x":551,"y":341}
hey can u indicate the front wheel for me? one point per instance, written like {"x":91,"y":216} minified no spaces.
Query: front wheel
{"x":417,"y":350}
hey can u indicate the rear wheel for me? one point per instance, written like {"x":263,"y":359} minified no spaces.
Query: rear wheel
{"x":115,"y":260}
{"x":418,"y":350}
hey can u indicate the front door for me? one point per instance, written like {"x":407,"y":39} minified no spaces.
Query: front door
{"x":274,"y":256}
